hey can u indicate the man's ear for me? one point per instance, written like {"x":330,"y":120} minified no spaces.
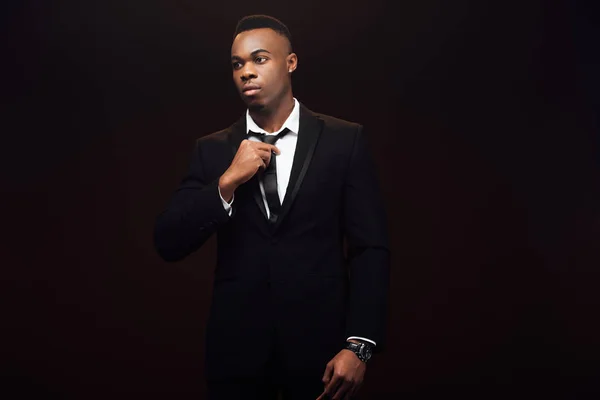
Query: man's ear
{"x":292,"y":62}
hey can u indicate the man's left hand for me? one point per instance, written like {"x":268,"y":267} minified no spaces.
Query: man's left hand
{"x":343,"y":376}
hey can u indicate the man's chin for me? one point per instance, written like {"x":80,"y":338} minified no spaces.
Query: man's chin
{"x":255,"y":106}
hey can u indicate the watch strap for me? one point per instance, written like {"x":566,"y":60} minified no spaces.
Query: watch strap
{"x":359,"y":350}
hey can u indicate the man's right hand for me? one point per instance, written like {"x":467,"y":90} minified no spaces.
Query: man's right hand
{"x":250,"y":157}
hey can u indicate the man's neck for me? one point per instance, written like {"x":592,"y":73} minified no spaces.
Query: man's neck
{"x":272,"y":120}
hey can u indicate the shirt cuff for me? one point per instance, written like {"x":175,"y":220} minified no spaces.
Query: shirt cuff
{"x":226,"y":205}
{"x":362,"y":338}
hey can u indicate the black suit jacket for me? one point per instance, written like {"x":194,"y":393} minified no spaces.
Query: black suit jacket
{"x":291,"y":288}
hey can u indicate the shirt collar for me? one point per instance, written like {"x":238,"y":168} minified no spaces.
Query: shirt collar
{"x":292,"y":122}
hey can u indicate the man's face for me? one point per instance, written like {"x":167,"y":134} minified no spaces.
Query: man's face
{"x":261,"y":63}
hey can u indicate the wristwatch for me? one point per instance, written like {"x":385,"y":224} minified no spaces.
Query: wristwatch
{"x":362,"y":350}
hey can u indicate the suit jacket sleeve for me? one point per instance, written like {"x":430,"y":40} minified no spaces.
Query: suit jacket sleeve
{"x":192,"y":215}
{"x":368,"y":248}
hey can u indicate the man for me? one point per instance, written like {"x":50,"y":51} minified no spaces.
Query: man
{"x":283,"y":188}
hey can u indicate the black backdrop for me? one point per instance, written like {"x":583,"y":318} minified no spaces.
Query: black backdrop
{"x":484,"y":127}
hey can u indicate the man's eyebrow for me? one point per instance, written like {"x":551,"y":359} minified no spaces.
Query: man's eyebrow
{"x":255,"y":52}
{"x":260,"y":51}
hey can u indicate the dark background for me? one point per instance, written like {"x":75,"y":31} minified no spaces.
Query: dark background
{"x":483,"y":121}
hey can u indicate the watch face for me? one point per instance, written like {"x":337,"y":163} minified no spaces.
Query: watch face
{"x":366,"y":352}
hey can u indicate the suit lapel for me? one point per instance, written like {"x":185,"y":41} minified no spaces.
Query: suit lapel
{"x":308,"y":135}
{"x":258,"y":195}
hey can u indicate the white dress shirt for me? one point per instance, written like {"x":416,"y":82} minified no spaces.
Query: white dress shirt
{"x":287,"y":148}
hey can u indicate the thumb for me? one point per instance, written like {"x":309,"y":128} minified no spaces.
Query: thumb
{"x":275,"y":149}
{"x":328,"y":373}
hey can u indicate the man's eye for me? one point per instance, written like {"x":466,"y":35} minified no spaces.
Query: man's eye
{"x":260,"y":60}
{"x":236,"y":65}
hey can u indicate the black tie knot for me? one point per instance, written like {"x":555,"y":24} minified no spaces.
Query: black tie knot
{"x":270,"y":139}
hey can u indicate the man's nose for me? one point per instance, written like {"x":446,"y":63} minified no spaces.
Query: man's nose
{"x":248,"y":72}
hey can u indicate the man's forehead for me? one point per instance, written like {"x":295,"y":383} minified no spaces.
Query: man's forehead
{"x":262,"y":38}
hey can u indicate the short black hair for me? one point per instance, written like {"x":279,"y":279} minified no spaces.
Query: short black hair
{"x":258,"y":21}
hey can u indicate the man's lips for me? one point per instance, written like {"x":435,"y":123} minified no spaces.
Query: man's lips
{"x":250,"y":90}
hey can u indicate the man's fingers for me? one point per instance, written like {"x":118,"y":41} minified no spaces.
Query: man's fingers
{"x":327,"y":374}
{"x":352,"y":392}
{"x":265,"y":147}
{"x":333,"y":384}
{"x":265,"y":156}
{"x":275,"y":149}
{"x":326,"y":380}
{"x":262,"y":165}
{"x":342,"y":389}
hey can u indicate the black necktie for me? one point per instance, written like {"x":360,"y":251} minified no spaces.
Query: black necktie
{"x":269,"y":176}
